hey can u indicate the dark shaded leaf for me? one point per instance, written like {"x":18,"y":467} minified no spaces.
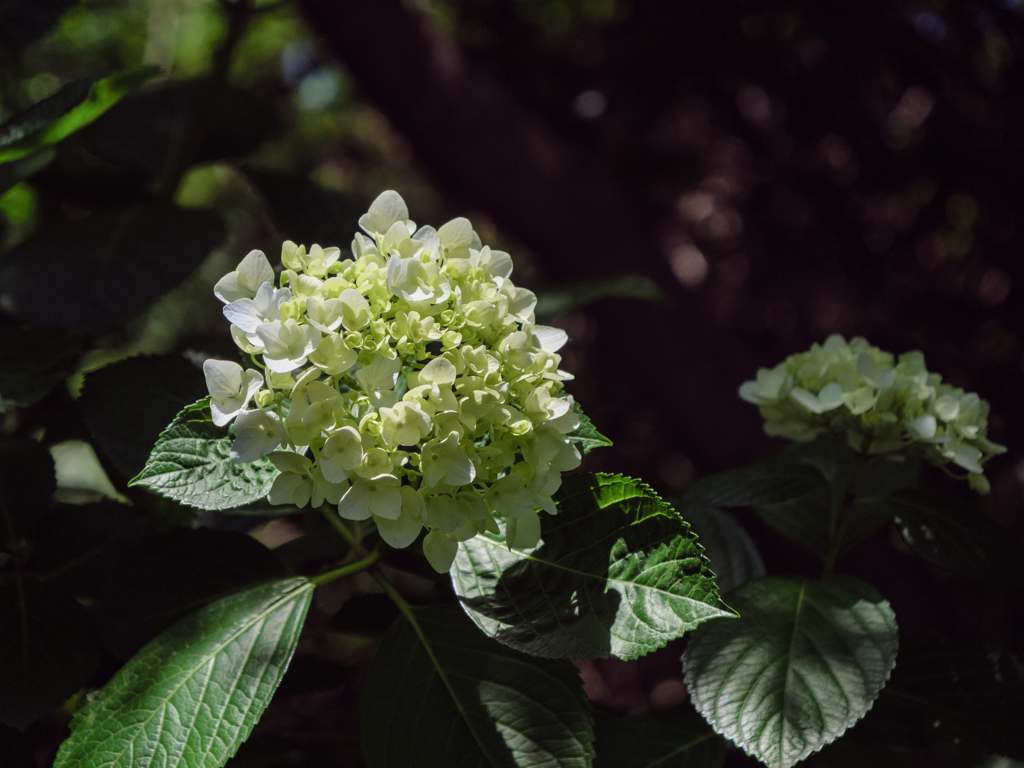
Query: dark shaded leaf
{"x":193,"y":695}
{"x":668,"y":739}
{"x":586,"y":437}
{"x":128,"y":404}
{"x":172,"y":573}
{"x":33,"y":361}
{"x":48,"y":648}
{"x":15,"y":748}
{"x":110,"y":266}
{"x":70,"y":109}
{"x":191,"y":463}
{"x":22,"y":21}
{"x":183,"y":122}
{"x":19,"y":170}
{"x":304,"y":211}
{"x":616,"y":574}
{"x":731,"y":553}
{"x":956,"y":535}
{"x":444,"y":695}
{"x":368,"y":614}
{"x":27,"y":481}
{"x":803,"y":663}
{"x":952,"y":693}
{"x":811,"y":519}
{"x":566,"y":298}
{"x":76,"y":547}
{"x":748,"y":487}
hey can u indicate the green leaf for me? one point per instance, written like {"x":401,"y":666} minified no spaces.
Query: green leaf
{"x":440,"y":694}
{"x":956,"y":536}
{"x":803,"y":663}
{"x":33,"y":361}
{"x":27,"y":482}
{"x":191,"y":696}
{"x":566,"y":298}
{"x":171,"y":573}
{"x":586,"y":437}
{"x":191,"y":463}
{"x":77,"y":546}
{"x":198,"y":120}
{"x":730,"y":551}
{"x":811,"y":519}
{"x":128,"y":404}
{"x":73,"y":107}
{"x":96,"y":273}
{"x":952,"y":694}
{"x":747,"y":487}
{"x":667,"y":739}
{"x":19,"y":170}
{"x":615,"y":574}
{"x":304,"y":211}
{"x":48,"y":648}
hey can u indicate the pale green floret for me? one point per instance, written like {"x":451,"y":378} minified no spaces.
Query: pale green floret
{"x":419,"y":391}
{"x":879,"y":403}
{"x":230,"y":387}
{"x":257,"y":433}
{"x":243,"y":283}
{"x":286,"y":345}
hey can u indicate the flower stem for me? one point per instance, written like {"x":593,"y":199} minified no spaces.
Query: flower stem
{"x":367,"y":558}
{"x":347,"y":570}
{"x":849,"y":499}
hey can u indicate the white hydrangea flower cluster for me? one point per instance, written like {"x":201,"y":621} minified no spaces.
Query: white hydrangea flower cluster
{"x":409,"y":383}
{"x":881,"y":404}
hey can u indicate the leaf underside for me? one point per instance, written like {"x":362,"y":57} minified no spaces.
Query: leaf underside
{"x":803,"y":663}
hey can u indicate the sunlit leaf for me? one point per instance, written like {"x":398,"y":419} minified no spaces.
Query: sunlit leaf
{"x":616,"y":574}
{"x":191,"y":463}
{"x":192,"y":696}
{"x":803,"y":663}
{"x":442,"y":694}
{"x":586,"y":437}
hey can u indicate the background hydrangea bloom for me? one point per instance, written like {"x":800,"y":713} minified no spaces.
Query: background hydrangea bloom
{"x":880,"y":403}
{"x":411,"y":380}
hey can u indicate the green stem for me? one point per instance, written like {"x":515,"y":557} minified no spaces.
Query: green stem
{"x":406,"y":610}
{"x":347,"y":570}
{"x":849,"y":499}
{"x":389,"y":590}
{"x":343,"y":530}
